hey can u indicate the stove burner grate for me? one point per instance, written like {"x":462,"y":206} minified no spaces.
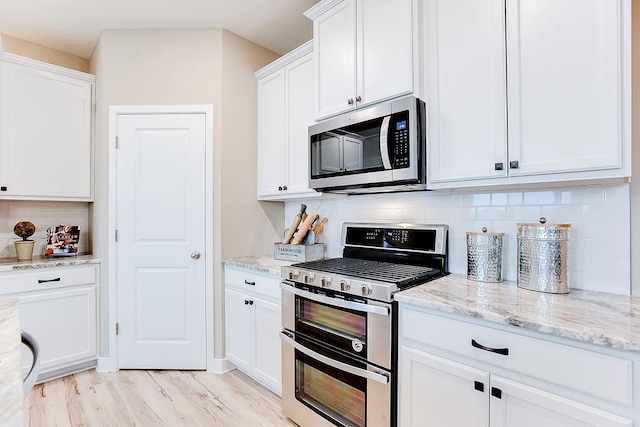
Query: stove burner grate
{"x":399,"y":274}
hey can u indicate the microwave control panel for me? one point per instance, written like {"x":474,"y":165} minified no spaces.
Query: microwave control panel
{"x":401,"y":141}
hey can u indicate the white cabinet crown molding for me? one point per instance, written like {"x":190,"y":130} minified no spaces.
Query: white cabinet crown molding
{"x":290,"y":57}
{"x":16,"y":59}
{"x":321,"y":8}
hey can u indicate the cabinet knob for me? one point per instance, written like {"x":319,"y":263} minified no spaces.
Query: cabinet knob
{"x":350,"y":101}
{"x":3,"y":188}
{"x":499,"y":166}
{"x":246,"y":302}
{"x":284,"y":187}
{"x":358,"y":98}
{"x":250,"y":302}
{"x":513,"y":164}
{"x":280,"y":188}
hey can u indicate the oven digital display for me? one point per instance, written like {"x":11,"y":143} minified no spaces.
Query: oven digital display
{"x":396,"y":238}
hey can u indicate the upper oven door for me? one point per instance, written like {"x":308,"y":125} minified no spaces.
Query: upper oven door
{"x":362,"y":329}
{"x":369,"y":147}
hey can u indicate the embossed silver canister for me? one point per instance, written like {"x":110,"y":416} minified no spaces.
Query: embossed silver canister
{"x":484,"y":256}
{"x":542,"y":257}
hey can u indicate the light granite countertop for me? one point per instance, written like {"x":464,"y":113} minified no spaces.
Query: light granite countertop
{"x":10,"y":372}
{"x":595,"y":317}
{"x":11,"y":264}
{"x":264,"y":264}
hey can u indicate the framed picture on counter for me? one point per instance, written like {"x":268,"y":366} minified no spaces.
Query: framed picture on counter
{"x":62,"y":240}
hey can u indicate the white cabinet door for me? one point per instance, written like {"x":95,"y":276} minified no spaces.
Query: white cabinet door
{"x":268,"y":324}
{"x":437,"y":392}
{"x":385,"y":49}
{"x":523,"y":406}
{"x":240,"y":332}
{"x":565,"y":69}
{"x":465,"y":89}
{"x":299,"y":89}
{"x":64,"y":324}
{"x":45,"y":134}
{"x":334,"y":35}
{"x":271,"y":135}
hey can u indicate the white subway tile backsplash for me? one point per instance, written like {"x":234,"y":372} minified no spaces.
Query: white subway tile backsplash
{"x":515,"y":199}
{"x":599,"y":238}
{"x":42,"y":215}
{"x":476,"y":199}
{"x":524,"y":213}
{"x":491,"y":213}
{"x":499,"y":199}
{"x":540,"y":198}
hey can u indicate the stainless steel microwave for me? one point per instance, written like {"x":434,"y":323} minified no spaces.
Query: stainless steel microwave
{"x":373,"y":150}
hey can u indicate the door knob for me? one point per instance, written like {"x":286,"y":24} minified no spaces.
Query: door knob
{"x":195,"y":255}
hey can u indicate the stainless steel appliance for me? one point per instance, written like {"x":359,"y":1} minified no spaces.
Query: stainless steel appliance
{"x":376,"y":149}
{"x":339,"y":337}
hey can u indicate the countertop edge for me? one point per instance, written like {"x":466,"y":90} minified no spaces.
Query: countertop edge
{"x":585,"y":334}
{"x":259,"y":263}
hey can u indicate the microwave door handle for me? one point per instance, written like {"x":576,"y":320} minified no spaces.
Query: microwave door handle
{"x":375,"y":309}
{"x":384,"y":142}
{"x":362,"y":373}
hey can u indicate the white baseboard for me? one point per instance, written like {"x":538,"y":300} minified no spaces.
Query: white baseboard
{"x":221,"y":366}
{"x":106,"y":364}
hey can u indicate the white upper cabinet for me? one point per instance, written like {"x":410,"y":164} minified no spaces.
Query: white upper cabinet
{"x":524,"y":91}
{"x":364,"y":52}
{"x":45,"y":131}
{"x":565,"y":64}
{"x":285,"y":98}
{"x":465,"y":88}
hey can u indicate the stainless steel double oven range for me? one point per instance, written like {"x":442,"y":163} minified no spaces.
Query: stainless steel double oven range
{"x":339,"y":337}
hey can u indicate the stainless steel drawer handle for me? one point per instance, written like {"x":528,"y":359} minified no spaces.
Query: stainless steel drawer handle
{"x":503,"y":351}
{"x":57,"y":279}
{"x":286,"y":336}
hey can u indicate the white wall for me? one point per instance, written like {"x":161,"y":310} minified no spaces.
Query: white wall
{"x":599,"y":237}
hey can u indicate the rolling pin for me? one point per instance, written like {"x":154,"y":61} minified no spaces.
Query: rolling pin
{"x":294,"y":224}
{"x":306,"y":226}
{"x":319,"y":227}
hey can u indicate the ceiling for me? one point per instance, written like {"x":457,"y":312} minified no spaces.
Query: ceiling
{"x":74,"y":26}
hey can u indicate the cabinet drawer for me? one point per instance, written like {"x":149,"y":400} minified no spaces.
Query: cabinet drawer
{"x":604,"y":376}
{"x":253,"y":282}
{"x":46,"y":278}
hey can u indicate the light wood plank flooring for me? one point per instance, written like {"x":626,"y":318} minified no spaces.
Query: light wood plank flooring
{"x":154,"y":398}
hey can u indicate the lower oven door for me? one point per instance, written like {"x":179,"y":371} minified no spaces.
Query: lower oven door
{"x":362,"y":328}
{"x":321,"y":387}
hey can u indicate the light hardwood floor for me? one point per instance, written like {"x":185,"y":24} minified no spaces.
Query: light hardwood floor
{"x":154,"y":398}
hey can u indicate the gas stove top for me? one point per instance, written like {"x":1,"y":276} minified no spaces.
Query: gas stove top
{"x":379,"y":260}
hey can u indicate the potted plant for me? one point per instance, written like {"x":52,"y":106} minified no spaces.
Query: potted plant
{"x":24,"y":247}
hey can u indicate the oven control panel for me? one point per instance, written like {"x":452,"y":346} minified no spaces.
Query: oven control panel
{"x":417,"y":238}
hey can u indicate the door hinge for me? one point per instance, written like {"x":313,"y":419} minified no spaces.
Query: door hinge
{"x":116,"y":235}
{"x":117,"y":142}
{"x":117,"y":328}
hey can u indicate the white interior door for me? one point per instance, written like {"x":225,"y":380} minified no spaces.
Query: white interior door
{"x":161,"y":241}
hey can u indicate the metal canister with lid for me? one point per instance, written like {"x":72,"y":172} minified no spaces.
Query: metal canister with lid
{"x":484,"y":256}
{"x":542,"y":257}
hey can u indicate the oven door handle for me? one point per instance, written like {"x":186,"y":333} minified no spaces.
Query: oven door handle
{"x":286,"y":336}
{"x":336,"y":302}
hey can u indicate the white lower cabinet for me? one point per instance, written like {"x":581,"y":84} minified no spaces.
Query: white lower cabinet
{"x":253,"y":324}
{"x":446,"y":381}
{"x":58,"y":307}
